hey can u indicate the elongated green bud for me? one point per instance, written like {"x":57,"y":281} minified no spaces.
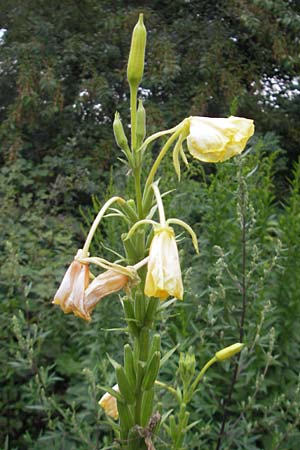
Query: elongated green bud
{"x":140,"y":124}
{"x":124,"y":385}
{"x":119,"y":133}
{"x":129,"y":365}
{"x":155,"y":345}
{"x":126,"y":417}
{"x":147,"y":406}
{"x":140,"y":373}
{"x":228,"y":352}
{"x":130,"y":250}
{"x":144,"y":344}
{"x":131,"y":204}
{"x":139,"y":308}
{"x":135,"y":68}
{"x":140,"y":243}
{"x":151,"y":310}
{"x":130,"y":210}
{"x":151,"y":372}
{"x":129,"y":313}
{"x":173,"y":427}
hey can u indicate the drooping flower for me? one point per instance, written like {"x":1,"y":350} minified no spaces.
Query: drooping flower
{"x":70,"y":294}
{"x":109,"y":403}
{"x":218,"y":139}
{"x":104,"y":284}
{"x":76,"y":295}
{"x":164,"y":273}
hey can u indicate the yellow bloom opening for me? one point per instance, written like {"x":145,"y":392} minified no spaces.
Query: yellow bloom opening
{"x":218,"y":139}
{"x":164,"y":273}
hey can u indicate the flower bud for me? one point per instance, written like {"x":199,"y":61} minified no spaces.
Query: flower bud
{"x":147,"y":406}
{"x":119,"y":133}
{"x":151,"y":372}
{"x":228,"y":352}
{"x":140,"y":124}
{"x":135,"y":68}
{"x":124,"y":385}
{"x":187,"y":364}
{"x":129,"y":365}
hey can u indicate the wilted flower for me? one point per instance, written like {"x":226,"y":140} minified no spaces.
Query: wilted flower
{"x":104,"y":284}
{"x":164,"y":274}
{"x":76,"y":295}
{"x":70,"y":294}
{"x":109,"y":403}
{"x":218,"y":139}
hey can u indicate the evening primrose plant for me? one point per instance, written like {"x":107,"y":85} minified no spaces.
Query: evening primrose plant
{"x":148,"y":272}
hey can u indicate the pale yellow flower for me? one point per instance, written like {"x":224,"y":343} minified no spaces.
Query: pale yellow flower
{"x":104,"y":284}
{"x":164,"y":274}
{"x":70,"y":294}
{"x":218,"y":139}
{"x":109,"y":403}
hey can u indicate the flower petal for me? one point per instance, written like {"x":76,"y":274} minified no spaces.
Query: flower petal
{"x":218,"y":139}
{"x":164,"y":273}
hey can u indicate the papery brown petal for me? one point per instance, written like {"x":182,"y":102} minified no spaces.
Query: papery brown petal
{"x":105,"y":284}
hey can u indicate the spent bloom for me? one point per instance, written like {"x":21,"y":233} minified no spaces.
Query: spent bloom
{"x":218,"y":139}
{"x":76,"y":295}
{"x":70,"y":294}
{"x":104,"y":284}
{"x":109,"y":403}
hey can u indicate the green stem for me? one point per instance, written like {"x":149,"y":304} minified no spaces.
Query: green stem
{"x":202,"y":372}
{"x":168,"y":388}
{"x":133,"y":100}
{"x":138,"y":191}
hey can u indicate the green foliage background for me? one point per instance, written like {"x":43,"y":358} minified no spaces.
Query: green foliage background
{"x":63,"y":75}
